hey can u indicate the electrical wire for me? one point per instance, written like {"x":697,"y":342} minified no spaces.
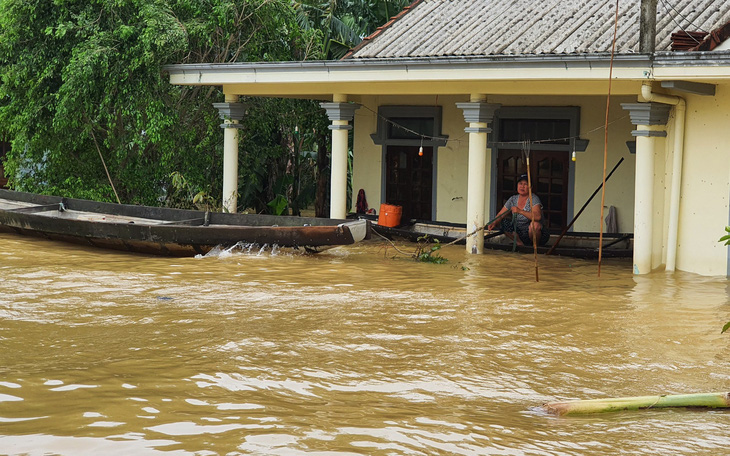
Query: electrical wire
{"x":422,"y":137}
{"x":668,"y":6}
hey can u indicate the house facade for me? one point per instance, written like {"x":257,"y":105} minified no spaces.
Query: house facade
{"x":450,"y":98}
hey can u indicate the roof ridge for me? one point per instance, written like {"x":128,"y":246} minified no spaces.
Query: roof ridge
{"x":383,"y":27}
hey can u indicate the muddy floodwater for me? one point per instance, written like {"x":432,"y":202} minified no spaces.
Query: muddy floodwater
{"x":350,"y":352}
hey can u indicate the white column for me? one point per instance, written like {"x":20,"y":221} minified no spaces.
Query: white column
{"x":230,"y":167}
{"x":231,"y":112}
{"x":649,"y":119}
{"x":643,"y":202}
{"x":340,"y":112}
{"x":338,"y":165}
{"x":478,"y":114}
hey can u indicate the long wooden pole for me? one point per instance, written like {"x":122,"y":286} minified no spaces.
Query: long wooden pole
{"x":605,"y":140}
{"x":534,"y":236}
{"x":565,"y":230}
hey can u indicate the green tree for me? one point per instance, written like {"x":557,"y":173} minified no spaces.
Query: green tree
{"x":344,"y":23}
{"x":283,"y":141}
{"x":82,"y":89}
{"x":90,"y":113}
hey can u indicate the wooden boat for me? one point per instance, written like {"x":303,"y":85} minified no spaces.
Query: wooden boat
{"x":165,"y":231}
{"x":573,"y":244}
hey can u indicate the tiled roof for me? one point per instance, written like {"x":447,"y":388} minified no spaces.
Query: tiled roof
{"x":471,"y":28}
{"x":714,"y":38}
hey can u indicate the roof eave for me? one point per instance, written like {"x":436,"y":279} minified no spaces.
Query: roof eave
{"x":447,"y":74}
{"x":559,"y":59}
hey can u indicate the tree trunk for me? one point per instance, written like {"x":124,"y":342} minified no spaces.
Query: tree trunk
{"x":321,"y":203}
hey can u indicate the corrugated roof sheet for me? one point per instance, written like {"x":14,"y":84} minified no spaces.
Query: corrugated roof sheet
{"x":472,"y":28}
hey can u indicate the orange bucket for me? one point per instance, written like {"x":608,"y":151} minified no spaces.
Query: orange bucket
{"x":389,"y":215}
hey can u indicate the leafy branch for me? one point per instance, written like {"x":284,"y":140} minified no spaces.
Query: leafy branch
{"x":725,"y":239}
{"x":426,"y":252}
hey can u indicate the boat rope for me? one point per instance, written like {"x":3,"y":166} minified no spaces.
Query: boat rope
{"x":461,"y":238}
{"x":605,"y":141}
{"x":393,"y":245}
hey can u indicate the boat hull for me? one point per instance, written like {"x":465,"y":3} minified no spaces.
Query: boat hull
{"x":164,"y":231}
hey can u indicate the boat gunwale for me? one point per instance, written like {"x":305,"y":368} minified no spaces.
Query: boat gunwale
{"x":144,"y":229}
{"x":166,"y":214}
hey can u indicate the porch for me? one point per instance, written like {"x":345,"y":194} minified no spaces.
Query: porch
{"x":471,"y":116}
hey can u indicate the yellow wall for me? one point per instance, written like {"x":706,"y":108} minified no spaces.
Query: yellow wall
{"x":705,"y":189}
{"x":452,"y":175}
{"x":451,"y":191}
{"x":367,"y":160}
{"x":451,"y":160}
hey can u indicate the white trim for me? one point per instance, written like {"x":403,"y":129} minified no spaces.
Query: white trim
{"x":724,"y":46}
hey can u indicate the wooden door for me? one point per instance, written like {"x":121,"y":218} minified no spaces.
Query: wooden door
{"x":409,"y":181}
{"x":549,"y":176}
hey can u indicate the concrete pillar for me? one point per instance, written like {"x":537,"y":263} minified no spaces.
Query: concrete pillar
{"x":650,"y":119}
{"x":340,"y":113}
{"x":232,"y":113}
{"x":647,"y":26}
{"x":479,"y":115}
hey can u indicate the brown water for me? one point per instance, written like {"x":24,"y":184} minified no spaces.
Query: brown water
{"x":349,"y":352}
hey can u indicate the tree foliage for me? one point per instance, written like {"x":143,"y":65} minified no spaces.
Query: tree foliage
{"x":344,"y":23}
{"x":82,"y":81}
{"x":91,"y":114}
{"x":283,"y":140}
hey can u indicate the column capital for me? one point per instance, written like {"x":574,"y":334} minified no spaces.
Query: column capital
{"x":340,"y":111}
{"x":648,"y":113}
{"x":478,"y":111}
{"x":231,"y":111}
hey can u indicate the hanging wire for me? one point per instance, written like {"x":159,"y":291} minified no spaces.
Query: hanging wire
{"x":667,"y":6}
{"x":423,"y":137}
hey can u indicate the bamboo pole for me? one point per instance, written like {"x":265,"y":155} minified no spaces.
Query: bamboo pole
{"x":707,"y":400}
{"x":605,"y":141}
{"x":532,"y":218}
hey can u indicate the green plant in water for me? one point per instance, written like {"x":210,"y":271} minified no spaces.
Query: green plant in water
{"x":426,"y":252}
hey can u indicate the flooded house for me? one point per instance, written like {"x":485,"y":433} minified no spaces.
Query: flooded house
{"x":449,"y":98}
